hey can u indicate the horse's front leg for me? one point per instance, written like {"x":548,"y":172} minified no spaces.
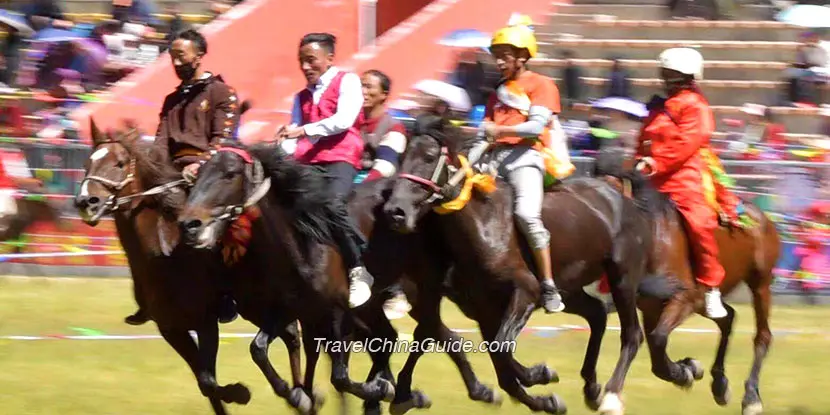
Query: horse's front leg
{"x":631,"y":337}
{"x":331,"y":331}
{"x":381,"y":336}
{"x":593,"y":311}
{"x":659,"y":321}
{"x":297,"y":398}
{"x":203,"y":366}
{"x":518,"y":311}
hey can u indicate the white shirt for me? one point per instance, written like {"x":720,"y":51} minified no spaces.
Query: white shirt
{"x":349,"y":105}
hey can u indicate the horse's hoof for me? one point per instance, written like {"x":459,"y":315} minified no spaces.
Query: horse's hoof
{"x":721,"y":391}
{"x":417,"y":400}
{"x":687,"y":378}
{"x":388,"y":389}
{"x":694,"y":366}
{"x":611,"y":405}
{"x":553,"y":404}
{"x":236,"y":393}
{"x":300,"y":401}
{"x":753,"y":409}
{"x":548,"y":375}
{"x":592,"y":392}
{"x":482,"y":393}
{"x":319,"y":399}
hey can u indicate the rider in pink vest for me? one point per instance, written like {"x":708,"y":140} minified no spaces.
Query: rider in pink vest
{"x":325,"y":124}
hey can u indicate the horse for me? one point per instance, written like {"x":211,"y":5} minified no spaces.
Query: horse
{"x":283,"y":222}
{"x":747,"y":255}
{"x":492,"y":279}
{"x":177,"y":285}
{"x":286,"y":270}
{"x":29,"y":211}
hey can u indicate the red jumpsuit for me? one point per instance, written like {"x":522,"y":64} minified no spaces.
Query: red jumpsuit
{"x":6,"y":182}
{"x":673,"y":137}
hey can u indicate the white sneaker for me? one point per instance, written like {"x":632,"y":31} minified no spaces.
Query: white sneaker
{"x":714,"y":304}
{"x":396,"y":307}
{"x":360,"y":289}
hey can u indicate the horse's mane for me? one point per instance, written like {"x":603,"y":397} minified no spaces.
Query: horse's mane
{"x":610,"y":162}
{"x":302,"y":190}
{"x":153,"y":169}
{"x":454,"y":138}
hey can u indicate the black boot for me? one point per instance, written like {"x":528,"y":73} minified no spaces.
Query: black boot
{"x":138,"y":318}
{"x":227,"y":309}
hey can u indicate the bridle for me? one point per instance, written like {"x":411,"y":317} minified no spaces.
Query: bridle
{"x":437,"y":192}
{"x":113,"y":202}
{"x":255,"y":175}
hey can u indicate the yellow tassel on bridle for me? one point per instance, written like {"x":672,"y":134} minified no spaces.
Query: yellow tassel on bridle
{"x":482,"y":182}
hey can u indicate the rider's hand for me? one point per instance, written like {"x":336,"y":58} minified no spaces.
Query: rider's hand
{"x":190,"y":171}
{"x":491,"y":130}
{"x":645,"y":166}
{"x":293,"y":132}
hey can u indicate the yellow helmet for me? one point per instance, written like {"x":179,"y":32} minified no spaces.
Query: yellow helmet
{"x":521,"y":37}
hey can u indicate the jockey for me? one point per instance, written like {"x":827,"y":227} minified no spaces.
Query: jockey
{"x":201,"y":111}
{"x":669,"y":152}
{"x":384,"y":137}
{"x":517,"y":119}
{"x":325,"y":124}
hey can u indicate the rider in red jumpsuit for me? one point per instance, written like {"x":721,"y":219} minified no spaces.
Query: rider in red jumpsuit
{"x":671,"y":140}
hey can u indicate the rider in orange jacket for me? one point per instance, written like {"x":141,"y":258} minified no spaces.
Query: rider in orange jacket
{"x":671,"y":140}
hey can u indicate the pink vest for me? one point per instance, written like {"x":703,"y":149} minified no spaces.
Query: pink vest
{"x":344,"y":147}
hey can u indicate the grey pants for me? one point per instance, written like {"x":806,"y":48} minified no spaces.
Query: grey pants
{"x":523,"y":168}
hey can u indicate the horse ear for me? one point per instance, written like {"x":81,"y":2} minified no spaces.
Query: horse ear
{"x":97,"y":136}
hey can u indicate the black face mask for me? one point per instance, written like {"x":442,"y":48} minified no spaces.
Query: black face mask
{"x":185,"y":71}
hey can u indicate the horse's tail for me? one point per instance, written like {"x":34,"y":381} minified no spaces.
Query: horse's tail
{"x":659,"y":286}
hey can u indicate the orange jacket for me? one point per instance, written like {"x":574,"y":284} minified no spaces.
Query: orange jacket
{"x":673,"y":135}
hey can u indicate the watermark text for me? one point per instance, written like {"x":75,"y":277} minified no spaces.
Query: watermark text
{"x":427,"y":345}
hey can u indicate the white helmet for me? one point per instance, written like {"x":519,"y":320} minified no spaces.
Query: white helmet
{"x":684,"y":60}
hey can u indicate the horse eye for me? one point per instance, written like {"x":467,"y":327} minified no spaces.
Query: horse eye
{"x":119,"y":164}
{"x":229,"y":175}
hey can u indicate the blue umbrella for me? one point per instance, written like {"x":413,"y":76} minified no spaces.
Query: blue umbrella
{"x":806,"y":15}
{"x":56,"y":35}
{"x":626,"y":105}
{"x":16,"y":21}
{"x":466,"y":38}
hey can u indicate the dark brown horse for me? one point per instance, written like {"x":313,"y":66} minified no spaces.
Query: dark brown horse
{"x":594,"y":232}
{"x":293,"y":195}
{"x":176,"y":284}
{"x":289,"y":270}
{"x":747,"y":255}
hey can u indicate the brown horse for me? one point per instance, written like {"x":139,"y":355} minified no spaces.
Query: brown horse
{"x":747,"y":255}
{"x":177,"y":285}
{"x":595,"y":232}
{"x":29,"y":211}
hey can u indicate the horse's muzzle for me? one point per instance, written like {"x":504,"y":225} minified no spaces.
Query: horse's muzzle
{"x":399,"y":219}
{"x":198,"y":234}
{"x":90,"y":208}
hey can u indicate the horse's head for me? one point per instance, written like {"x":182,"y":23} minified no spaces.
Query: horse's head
{"x":110,"y":170}
{"x":424,"y":170}
{"x":228,"y":183}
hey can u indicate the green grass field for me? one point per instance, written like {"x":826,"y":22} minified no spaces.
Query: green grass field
{"x":68,"y":377}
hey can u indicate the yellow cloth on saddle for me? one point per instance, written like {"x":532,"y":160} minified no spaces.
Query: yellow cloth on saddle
{"x":715,"y":169}
{"x":481,"y":182}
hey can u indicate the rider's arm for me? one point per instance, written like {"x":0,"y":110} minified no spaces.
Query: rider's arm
{"x":162,"y":141}
{"x":349,"y":105}
{"x":225,"y":113}
{"x":388,"y":155}
{"x":682,"y":139}
{"x":538,"y":117}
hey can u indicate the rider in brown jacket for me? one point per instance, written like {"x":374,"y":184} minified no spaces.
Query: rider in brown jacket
{"x":201,"y":111}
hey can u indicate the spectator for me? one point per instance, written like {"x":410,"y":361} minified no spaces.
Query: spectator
{"x":41,"y":14}
{"x":808,"y":71}
{"x":11,"y":55}
{"x":176,"y":23}
{"x":760,"y":129}
{"x":572,"y":78}
{"x":619,"y":85}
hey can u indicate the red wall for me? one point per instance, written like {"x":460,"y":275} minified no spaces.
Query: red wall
{"x":392,"y":12}
{"x":253,"y":46}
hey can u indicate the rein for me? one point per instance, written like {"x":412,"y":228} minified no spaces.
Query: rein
{"x":437,"y":191}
